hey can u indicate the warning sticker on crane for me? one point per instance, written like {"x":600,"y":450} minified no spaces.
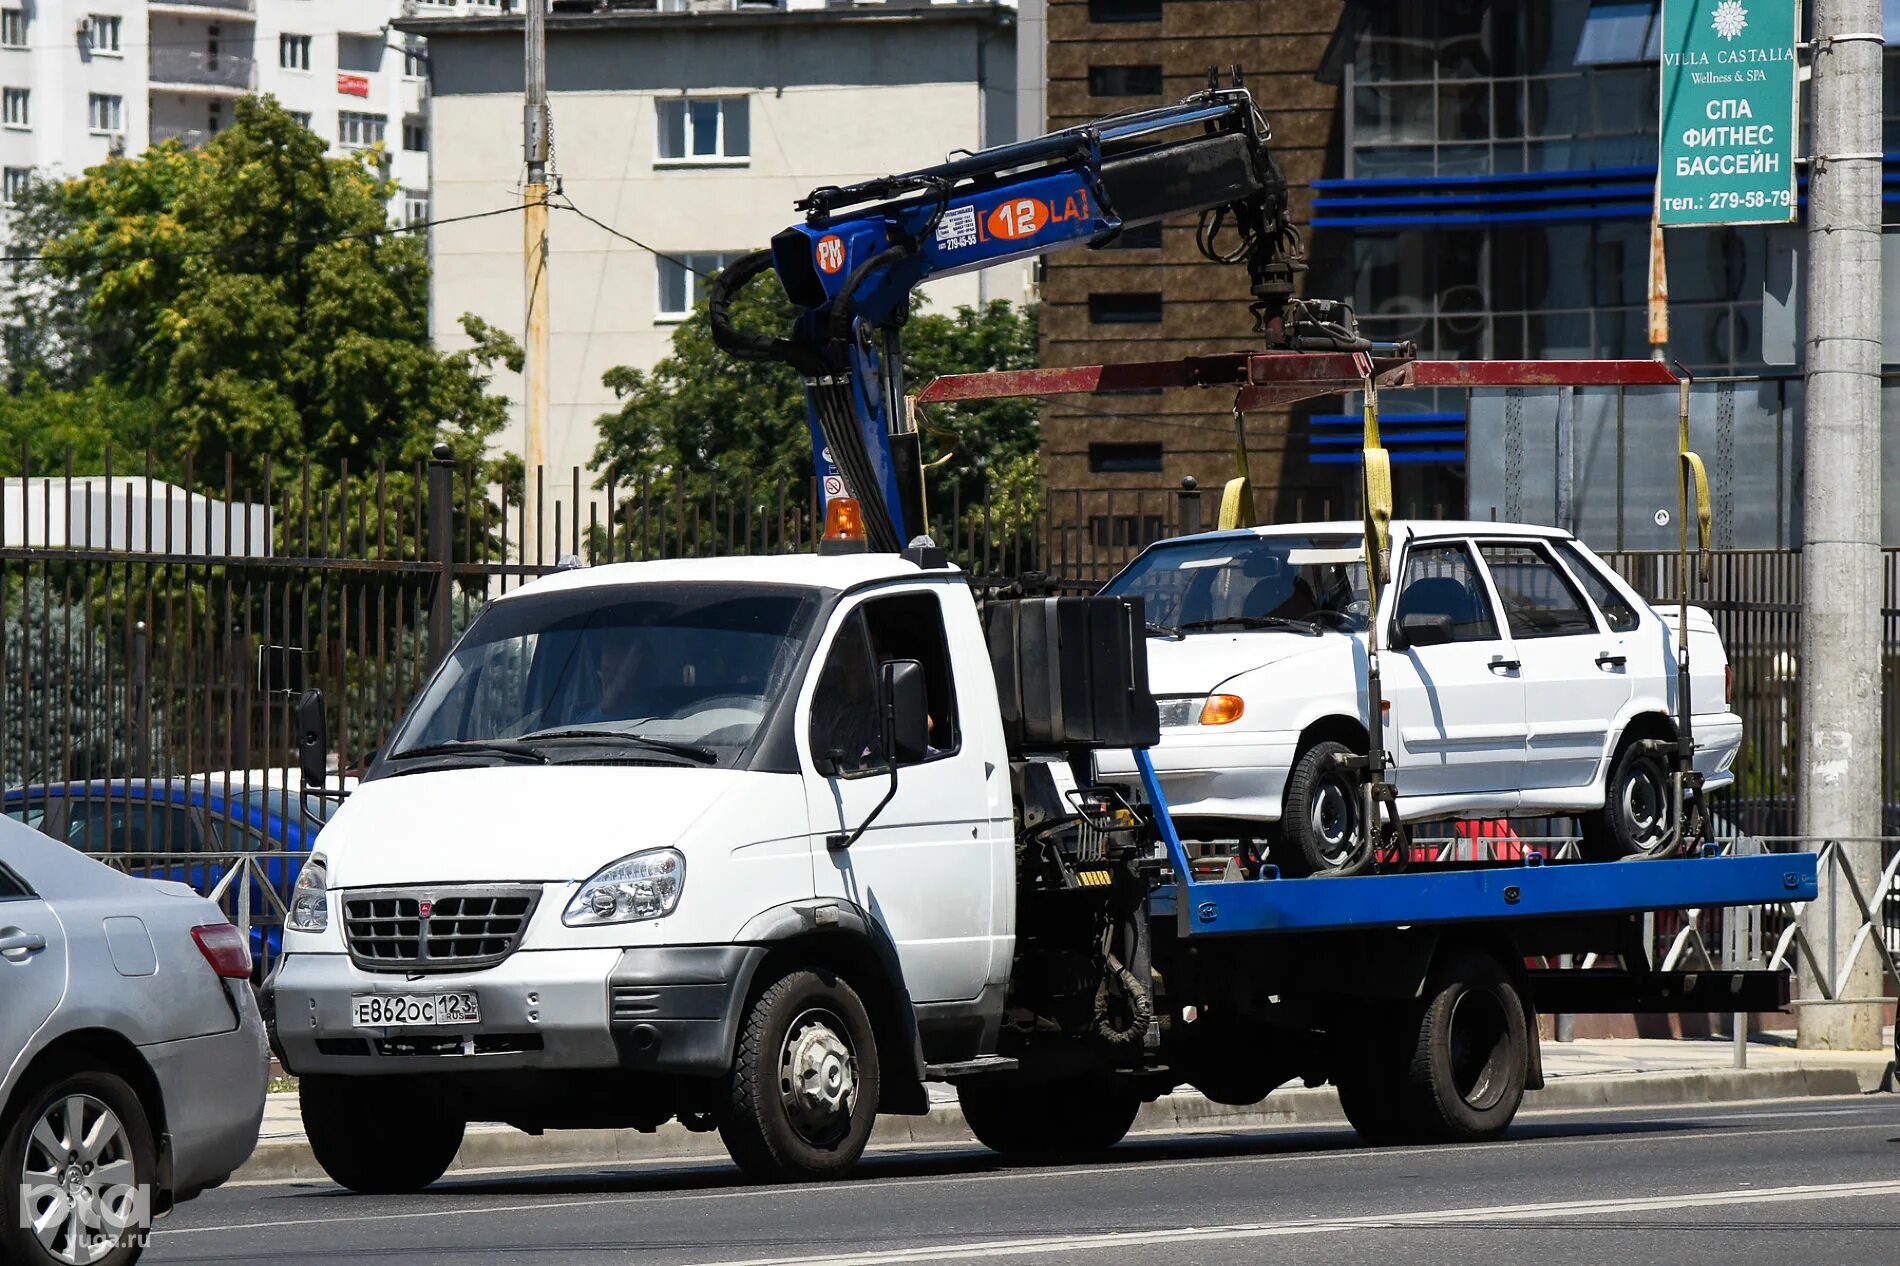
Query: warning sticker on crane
{"x":834,"y":486}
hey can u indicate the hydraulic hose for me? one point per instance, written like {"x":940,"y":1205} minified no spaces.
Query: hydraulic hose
{"x":744,"y":344}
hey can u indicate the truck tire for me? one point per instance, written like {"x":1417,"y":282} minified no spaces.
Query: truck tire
{"x":1634,"y":819}
{"x":804,"y":1086}
{"x":1048,"y":1118}
{"x":1321,"y":826}
{"x":31,"y":1175}
{"x":1471,"y":1056}
{"x":378,"y":1135}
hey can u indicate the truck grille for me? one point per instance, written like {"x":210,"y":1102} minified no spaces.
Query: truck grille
{"x":465,"y":929}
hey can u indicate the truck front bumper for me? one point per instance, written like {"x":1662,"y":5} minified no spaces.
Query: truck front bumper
{"x":661,"y":1009}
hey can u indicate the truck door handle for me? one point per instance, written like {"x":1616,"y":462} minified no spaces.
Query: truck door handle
{"x":17,"y":944}
{"x":1506,"y":665}
{"x":1607,"y":660}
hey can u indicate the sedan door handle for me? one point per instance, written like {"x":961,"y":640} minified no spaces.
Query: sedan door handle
{"x":15,"y":942}
{"x":1508,"y":665}
{"x":1607,"y":660}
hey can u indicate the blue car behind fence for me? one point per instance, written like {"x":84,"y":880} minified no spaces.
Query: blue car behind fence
{"x":192,"y":830}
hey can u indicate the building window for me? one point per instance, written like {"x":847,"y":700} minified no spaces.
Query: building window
{"x":361,"y":54}
{"x":302,"y":118}
{"x":415,"y":206}
{"x":293,"y":52}
{"x":1143,"y":237}
{"x":684,"y":278}
{"x":1124,"y":10}
{"x":1125,"y":459}
{"x":105,"y":34}
{"x":415,"y":134}
{"x":360,"y":131}
{"x":1125,"y":309}
{"x":1618,"y":32}
{"x":12,"y":28}
{"x":16,"y":107}
{"x":13,"y":182}
{"x":704,"y":129}
{"x":104,"y":112}
{"x":1125,"y":531}
{"x":1124,"y":81}
{"x":415,"y":63}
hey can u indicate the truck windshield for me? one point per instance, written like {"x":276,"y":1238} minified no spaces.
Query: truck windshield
{"x":1224,"y":583}
{"x":660,"y":664}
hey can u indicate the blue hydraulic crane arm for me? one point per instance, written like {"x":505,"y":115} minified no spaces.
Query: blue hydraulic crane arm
{"x":850,"y":268}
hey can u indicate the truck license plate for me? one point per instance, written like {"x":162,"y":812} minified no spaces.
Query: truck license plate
{"x":396,"y":1010}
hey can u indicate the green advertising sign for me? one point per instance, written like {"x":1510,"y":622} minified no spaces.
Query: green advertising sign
{"x":1728,"y":111}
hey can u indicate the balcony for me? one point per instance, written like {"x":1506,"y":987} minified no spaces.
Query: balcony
{"x":205,"y":8}
{"x":191,"y":70}
{"x":193,"y":137}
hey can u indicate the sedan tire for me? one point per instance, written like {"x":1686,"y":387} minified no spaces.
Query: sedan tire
{"x":77,"y":1167}
{"x":1634,"y":819}
{"x":1322,"y":828}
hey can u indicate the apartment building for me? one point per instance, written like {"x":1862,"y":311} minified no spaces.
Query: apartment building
{"x":84,"y":79}
{"x":694,"y":132}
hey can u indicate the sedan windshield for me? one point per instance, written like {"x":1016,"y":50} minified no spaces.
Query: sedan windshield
{"x":670,"y":672}
{"x":1221,"y":584}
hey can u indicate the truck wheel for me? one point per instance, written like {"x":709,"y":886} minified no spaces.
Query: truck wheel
{"x":376,"y":1135}
{"x":73,"y":1160}
{"x":1634,"y":818}
{"x":1321,"y":831}
{"x":1048,"y":1118}
{"x":804,"y":1089}
{"x":1472,"y":1054}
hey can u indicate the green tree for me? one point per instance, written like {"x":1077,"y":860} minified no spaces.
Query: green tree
{"x":245,"y":301}
{"x":700,"y":420}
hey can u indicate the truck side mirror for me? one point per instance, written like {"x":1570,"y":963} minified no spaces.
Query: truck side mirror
{"x":906,"y":711}
{"x":1425,"y":628}
{"x":313,"y":739}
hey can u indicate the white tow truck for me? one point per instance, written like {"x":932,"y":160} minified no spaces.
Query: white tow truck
{"x":766,"y":844}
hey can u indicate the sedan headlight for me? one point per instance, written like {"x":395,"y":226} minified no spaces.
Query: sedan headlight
{"x":1179,"y":712}
{"x":310,"y":899}
{"x":1200,"y":710}
{"x":644,"y":886}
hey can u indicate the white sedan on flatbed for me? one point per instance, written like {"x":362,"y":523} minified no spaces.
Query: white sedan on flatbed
{"x":1520,"y":673}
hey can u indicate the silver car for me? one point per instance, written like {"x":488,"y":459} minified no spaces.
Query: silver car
{"x":132,"y":1058}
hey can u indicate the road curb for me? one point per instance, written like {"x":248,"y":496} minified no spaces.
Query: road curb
{"x":498,"y":1147}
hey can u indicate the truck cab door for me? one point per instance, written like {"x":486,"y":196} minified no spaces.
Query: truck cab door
{"x":924,"y":868}
{"x":1457,"y":721}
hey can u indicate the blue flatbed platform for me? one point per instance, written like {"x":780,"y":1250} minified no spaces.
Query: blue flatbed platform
{"x":1534,"y":890}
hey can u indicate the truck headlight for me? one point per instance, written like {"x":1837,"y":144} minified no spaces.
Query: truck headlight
{"x":643,"y":886}
{"x":310,"y":899}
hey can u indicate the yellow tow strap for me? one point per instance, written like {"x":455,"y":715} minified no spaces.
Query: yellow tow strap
{"x":1236,"y":498}
{"x":1377,"y":492}
{"x":1694,"y":476}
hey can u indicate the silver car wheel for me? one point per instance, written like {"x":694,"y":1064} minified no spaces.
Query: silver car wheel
{"x":79,"y":1179}
{"x":1644,"y":801}
{"x":1334,"y":818}
{"x":818,"y":1077}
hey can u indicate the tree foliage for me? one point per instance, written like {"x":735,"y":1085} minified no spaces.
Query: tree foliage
{"x":700,"y":418}
{"x":243,"y":301}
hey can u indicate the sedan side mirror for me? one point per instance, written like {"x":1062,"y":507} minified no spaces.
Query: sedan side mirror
{"x":906,"y":711}
{"x":313,"y":740}
{"x":1425,"y":628}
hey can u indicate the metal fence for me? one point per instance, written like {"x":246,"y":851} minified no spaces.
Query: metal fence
{"x":133,"y":668}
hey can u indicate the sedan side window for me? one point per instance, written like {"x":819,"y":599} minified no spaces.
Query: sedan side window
{"x":1442,"y":580}
{"x":12,"y":887}
{"x":1539,"y":601}
{"x":1616,"y":609}
{"x":119,"y":827}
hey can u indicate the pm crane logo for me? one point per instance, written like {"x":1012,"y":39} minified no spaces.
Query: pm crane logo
{"x":831,"y":253}
{"x":1730,"y":19}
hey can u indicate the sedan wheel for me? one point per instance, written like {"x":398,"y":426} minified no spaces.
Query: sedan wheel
{"x":80,"y":1161}
{"x":1322,"y":830}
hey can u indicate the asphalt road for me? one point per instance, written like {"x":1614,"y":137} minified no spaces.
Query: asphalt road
{"x":1813,"y":1180}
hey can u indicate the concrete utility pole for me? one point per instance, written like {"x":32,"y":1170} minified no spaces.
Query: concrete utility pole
{"x":534,"y":376}
{"x":1841,"y":564}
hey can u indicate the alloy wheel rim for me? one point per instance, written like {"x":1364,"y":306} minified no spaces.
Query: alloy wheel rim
{"x":818,"y":1077}
{"x":79,"y":1180}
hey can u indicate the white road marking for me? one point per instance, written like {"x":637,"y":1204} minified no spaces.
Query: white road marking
{"x":1039,"y":1247}
{"x":1013,"y":1175}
